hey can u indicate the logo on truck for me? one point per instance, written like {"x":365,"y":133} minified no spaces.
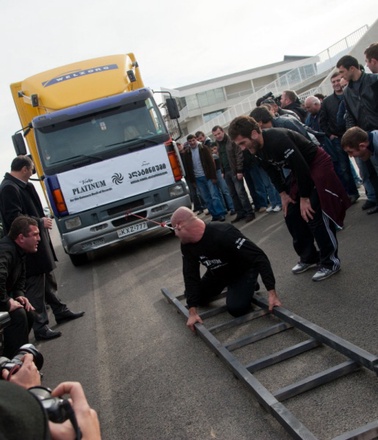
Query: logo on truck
{"x":117,"y":178}
{"x":88,"y":185}
{"x":78,"y":74}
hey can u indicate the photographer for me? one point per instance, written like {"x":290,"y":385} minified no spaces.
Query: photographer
{"x":27,"y":376}
{"x":23,"y":238}
{"x":21,"y":417}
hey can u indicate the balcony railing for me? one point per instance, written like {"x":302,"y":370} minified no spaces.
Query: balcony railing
{"x":318,"y":65}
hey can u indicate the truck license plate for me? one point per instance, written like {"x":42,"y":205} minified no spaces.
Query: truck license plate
{"x":132,"y":229}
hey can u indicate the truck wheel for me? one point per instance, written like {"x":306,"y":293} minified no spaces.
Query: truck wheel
{"x":78,"y":259}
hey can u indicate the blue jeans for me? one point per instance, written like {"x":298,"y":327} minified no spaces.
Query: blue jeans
{"x":210,"y":194}
{"x":239,"y":195}
{"x":256,"y":186}
{"x":225,"y":191}
{"x":344,"y":168}
{"x":273,"y":195}
{"x":364,"y":173}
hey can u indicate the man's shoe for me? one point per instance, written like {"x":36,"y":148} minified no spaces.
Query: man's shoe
{"x":249,"y":218}
{"x":269,"y":208}
{"x":67,"y":315}
{"x":372,"y":210}
{"x":277,"y":208}
{"x":353,"y":199}
{"x":262,"y":209}
{"x":47,"y":334}
{"x":368,"y":205}
{"x":218,"y":219}
{"x":232,"y":212}
{"x":323,"y":273}
{"x":302,"y":267}
{"x":237,"y":218}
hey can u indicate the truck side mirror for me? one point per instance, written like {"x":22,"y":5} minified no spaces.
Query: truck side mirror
{"x":172,"y":108}
{"x":19,"y":144}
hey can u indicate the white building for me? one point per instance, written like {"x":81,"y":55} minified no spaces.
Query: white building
{"x":217,"y":101}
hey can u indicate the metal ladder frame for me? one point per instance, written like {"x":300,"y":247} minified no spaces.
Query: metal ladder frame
{"x":272,"y":401}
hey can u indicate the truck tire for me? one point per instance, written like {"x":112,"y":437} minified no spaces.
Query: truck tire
{"x":78,"y":259}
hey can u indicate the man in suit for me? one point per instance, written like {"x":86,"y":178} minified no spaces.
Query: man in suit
{"x":19,"y":197}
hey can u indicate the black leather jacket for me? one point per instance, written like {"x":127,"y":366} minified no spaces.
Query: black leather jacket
{"x":12,"y":272}
{"x":362,"y":103}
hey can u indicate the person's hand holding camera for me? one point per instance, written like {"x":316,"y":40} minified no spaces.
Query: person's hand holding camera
{"x":86,"y":416}
{"x":27,"y":376}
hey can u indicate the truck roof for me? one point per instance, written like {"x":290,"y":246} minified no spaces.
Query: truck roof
{"x":83,"y":81}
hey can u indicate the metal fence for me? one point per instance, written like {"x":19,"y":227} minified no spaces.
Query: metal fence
{"x":319,"y":65}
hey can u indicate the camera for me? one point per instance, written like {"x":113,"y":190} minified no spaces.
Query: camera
{"x":16,"y":363}
{"x":58,"y":410}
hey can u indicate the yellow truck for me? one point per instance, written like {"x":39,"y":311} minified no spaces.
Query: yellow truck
{"x":101,"y":150}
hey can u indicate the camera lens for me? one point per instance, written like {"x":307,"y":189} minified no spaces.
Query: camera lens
{"x":29,"y":348}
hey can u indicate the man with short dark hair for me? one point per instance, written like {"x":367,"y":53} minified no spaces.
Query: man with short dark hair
{"x":329,"y":125}
{"x":290,"y":101}
{"x":361,"y":94}
{"x":204,"y":140}
{"x":19,"y":197}
{"x":371,"y":57}
{"x":201,"y":172}
{"x":231,"y":159}
{"x":361,"y":103}
{"x":23,"y":238}
{"x":313,"y":199}
{"x":363,"y":145}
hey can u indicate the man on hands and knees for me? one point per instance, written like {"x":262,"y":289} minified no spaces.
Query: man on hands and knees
{"x":231,"y":259}
{"x":314,"y":201}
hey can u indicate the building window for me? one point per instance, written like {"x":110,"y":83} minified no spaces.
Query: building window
{"x":205,"y":99}
{"x":209,"y":116}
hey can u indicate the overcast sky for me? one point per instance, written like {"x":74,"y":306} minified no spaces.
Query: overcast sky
{"x":175,"y":42}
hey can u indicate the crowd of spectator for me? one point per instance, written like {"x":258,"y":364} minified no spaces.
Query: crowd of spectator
{"x":321,"y":119}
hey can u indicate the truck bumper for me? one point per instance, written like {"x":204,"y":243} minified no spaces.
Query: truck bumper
{"x":103,"y":234}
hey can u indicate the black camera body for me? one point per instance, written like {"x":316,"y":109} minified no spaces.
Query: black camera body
{"x":58,"y":410}
{"x":16,"y":363}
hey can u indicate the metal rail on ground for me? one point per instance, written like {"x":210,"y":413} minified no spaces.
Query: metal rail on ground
{"x":356,"y":358}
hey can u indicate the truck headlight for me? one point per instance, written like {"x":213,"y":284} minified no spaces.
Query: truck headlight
{"x":176,"y":191}
{"x":72,"y":223}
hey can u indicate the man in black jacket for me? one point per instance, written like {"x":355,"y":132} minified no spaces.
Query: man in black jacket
{"x":361,"y":102}
{"x":23,"y":238}
{"x":19,"y":197}
{"x":329,"y":126}
{"x":201,"y":172}
{"x":361,"y":94}
{"x":231,"y":260}
{"x":314,"y":201}
{"x":290,"y":101}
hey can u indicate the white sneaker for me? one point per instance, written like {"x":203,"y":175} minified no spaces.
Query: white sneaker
{"x":277,"y":208}
{"x":269,"y":209}
{"x":302,"y":267}
{"x":323,"y":273}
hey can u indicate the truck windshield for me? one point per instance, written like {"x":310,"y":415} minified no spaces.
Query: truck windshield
{"x":76,"y":142}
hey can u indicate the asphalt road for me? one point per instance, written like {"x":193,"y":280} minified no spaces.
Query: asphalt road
{"x":148,"y":377}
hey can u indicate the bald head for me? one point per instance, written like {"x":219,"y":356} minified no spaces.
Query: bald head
{"x":188,"y":227}
{"x":182,"y":214}
{"x":312,"y":105}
